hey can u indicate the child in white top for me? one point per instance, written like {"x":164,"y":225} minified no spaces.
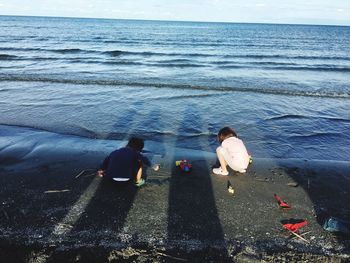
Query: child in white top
{"x":232,"y":152}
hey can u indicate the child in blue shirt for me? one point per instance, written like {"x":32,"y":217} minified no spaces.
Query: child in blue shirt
{"x":126,"y":163}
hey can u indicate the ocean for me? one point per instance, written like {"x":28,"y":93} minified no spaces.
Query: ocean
{"x":285,"y":89}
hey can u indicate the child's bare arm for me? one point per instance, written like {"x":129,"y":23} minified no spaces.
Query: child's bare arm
{"x":103,"y":167}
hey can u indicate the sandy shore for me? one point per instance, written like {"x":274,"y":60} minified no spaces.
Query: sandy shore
{"x":48,"y":214}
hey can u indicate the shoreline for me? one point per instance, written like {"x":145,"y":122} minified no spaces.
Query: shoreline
{"x":24,"y":140}
{"x":48,"y":213}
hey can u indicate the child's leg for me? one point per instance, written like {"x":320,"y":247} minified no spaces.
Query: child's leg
{"x":222,"y":160}
{"x":138,"y":175}
{"x":139,"y":181}
{"x":225,"y":159}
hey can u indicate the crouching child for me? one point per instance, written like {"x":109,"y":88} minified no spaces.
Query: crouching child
{"x":126,"y":164}
{"x":232,"y":152}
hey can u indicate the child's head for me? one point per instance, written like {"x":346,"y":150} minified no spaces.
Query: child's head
{"x":225,"y":133}
{"x":136,"y":144}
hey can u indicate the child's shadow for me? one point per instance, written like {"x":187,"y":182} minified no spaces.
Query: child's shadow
{"x":192,"y":213}
{"x":109,"y":208}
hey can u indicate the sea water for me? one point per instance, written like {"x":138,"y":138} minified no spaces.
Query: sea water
{"x":285,"y":89}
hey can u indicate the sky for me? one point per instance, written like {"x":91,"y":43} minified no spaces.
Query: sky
{"x":330,"y":12}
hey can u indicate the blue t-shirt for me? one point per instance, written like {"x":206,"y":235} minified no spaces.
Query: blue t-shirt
{"x":122,"y":163}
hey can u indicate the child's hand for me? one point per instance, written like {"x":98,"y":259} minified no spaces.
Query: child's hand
{"x":100,"y":173}
{"x":156,"y":167}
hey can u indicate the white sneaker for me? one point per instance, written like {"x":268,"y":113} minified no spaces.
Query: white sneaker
{"x":219,"y":171}
{"x":242,"y":171}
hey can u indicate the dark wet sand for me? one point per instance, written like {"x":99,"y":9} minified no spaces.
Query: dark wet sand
{"x":48,"y":215}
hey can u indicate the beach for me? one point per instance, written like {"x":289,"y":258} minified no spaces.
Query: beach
{"x":51,"y":211}
{"x":74,"y":89}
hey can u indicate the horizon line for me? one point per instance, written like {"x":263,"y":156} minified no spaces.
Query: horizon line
{"x":185,"y":21}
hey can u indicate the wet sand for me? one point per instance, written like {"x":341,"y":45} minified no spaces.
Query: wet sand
{"x":48,"y":214}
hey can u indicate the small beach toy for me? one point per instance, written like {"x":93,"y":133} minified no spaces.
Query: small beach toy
{"x":250,"y":158}
{"x":336,"y":225}
{"x":294,"y":224}
{"x":282,"y":204}
{"x":184,"y":165}
{"x":230,"y":187}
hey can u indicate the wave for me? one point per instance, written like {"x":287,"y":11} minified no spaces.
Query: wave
{"x":178,"y":62}
{"x":112,"y":53}
{"x":264,"y":63}
{"x":151,"y":53}
{"x":196,"y":43}
{"x":120,"y":41}
{"x":122,"y":63}
{"x":116,"y":53}
{"x":279,"y":56}
{"x":331,"y":68}
{"x":81,"y":131}
{"x":273,"y":66}
{"x":59,"y":50}
{"x":316,"y":135}
{"x":165,"y":64}
{"x":205,"y":55}
{"x":67,"y":50}
{"x":176,"y":97}
{"x":287,"y":116}
{"x":296,"y":116}
{"x":97,"y":38}
{"x":7,"y":57}
{"x":19,"y":49}
{"x":114,"y":82}
{"x":179,"y":65}
{"x":85,"y":132}
{"x":142,"y":53}
{"x":44,"y":134}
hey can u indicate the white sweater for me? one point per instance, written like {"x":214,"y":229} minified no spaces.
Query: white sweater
{"x":238,"y":158}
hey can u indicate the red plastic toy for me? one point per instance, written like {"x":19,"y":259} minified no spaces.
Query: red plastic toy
{"x":281,"y":203}
{"x":295,"y":226}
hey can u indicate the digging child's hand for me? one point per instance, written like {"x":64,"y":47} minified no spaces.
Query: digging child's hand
{"x":100,"y":173}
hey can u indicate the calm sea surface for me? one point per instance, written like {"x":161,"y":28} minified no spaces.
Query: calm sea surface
{"x":284,"y":88}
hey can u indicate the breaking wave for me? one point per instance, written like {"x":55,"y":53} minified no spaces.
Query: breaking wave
{"x":114,"y":82}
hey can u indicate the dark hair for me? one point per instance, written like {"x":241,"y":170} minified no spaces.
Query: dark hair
{"x":225,"y":133}
{"x":136,"y":144}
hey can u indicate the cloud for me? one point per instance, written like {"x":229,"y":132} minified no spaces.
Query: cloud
{"x":257,"y":11}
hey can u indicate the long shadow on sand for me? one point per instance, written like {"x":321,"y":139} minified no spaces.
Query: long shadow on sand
{"x":325,"y":182}
{"x":106,"y":213}
{"x":327,"y":185}
{"x":192,"y":214}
